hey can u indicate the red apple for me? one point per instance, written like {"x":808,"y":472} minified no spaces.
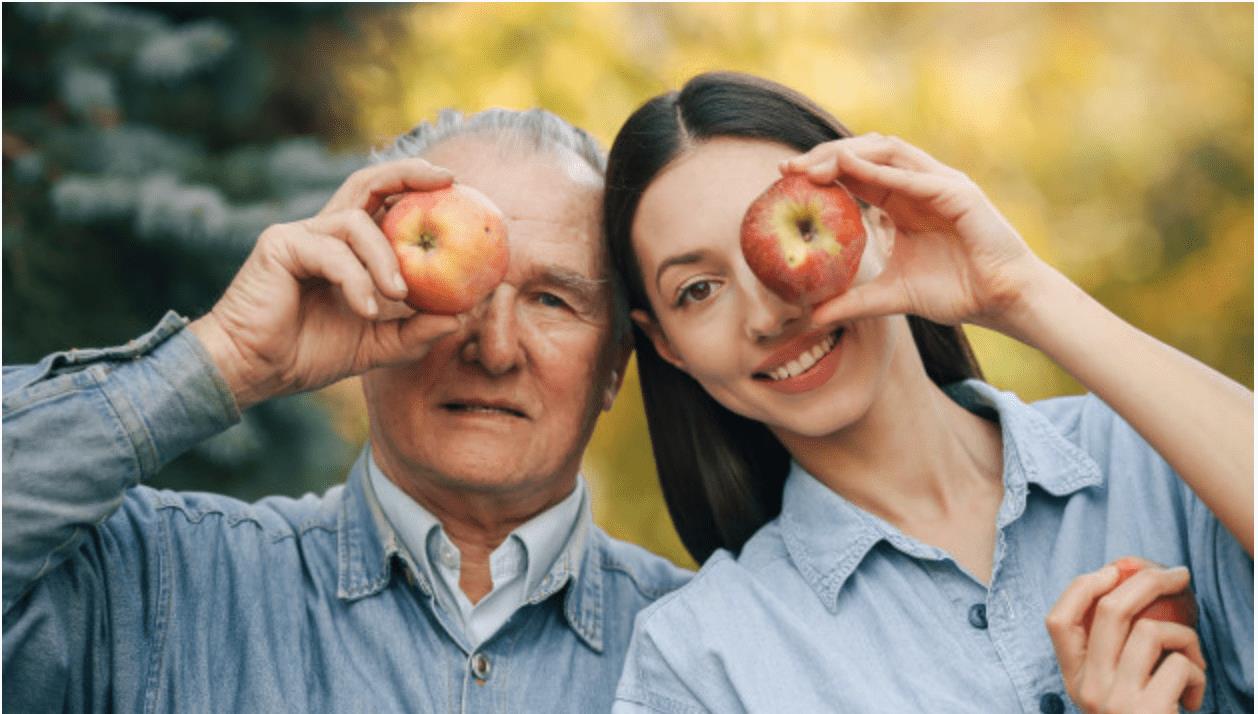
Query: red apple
{"x":1180,"y":607}
{"x":802,"y":240}
{"x":451,"y":245}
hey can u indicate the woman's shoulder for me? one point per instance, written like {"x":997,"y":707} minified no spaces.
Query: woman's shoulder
{"x":726,"y":585}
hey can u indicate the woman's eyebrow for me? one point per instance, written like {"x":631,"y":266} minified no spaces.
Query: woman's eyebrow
{"x":693,"y":256}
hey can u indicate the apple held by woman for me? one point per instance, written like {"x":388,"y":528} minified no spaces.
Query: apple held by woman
{"x":451,"y":246}
{"x":1179,"y":608}
{"x":803,"y":240}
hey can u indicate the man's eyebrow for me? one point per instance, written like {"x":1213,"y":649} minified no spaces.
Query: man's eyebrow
{"x":589,"y":288}
{"x":693,"y":256}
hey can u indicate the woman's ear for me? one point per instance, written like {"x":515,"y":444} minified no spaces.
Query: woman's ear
{"x":647,"y":324}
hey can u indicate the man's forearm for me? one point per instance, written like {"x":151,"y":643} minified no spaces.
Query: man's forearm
{"x":82,"y":427}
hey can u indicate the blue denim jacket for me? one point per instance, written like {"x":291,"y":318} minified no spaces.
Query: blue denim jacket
{"x":830,"y":608}
{"x":121,"y":597}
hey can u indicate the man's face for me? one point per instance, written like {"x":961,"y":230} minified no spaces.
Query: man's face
{"x":507,"y":404}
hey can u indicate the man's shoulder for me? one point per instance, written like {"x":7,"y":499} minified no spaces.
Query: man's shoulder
{"x":650,"y":575}
{"x":276,"y":517}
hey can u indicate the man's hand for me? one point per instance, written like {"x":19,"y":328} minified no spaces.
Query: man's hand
{"x":1120,"y":663}
{"x":319,"y":299}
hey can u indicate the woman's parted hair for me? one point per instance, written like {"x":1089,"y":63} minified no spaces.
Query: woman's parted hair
{"x":722,"y":474}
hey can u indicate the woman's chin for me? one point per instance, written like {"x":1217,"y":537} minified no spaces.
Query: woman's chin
{"x":820,"y":419}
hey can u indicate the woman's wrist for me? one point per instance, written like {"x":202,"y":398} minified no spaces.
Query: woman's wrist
{"x":1038,"y":296}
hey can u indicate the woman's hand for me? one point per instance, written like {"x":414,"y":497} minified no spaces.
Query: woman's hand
{"x":1121,"y":664}
{"x":955,"y":259}
{"x":319,"y":299}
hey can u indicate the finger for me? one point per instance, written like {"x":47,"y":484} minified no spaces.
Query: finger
{"x":874,"y":147}
{"x":1177,"y":679}
{"x":878,"y":182}
{"x":1115,"y":611}
{"x":367,"y":188}
{"x":1149,"y":642}
{"x":367,"y":241}
{"x":1065,"y":620}
{"x":877,"y":298}
{"x":325,"y":257}
{"x":409,"y":339}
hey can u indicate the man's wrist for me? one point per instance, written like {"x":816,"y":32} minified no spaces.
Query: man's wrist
{"x":227,"y":359}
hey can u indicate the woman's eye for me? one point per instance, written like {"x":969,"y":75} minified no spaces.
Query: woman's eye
{"x":697,"y":291}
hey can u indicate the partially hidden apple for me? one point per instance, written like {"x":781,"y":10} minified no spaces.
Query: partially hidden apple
{"x":451,"y":246}
{"x":803,"y":240}
{"x":1180,"y":607}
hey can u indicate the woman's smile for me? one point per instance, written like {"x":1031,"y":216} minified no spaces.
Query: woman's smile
{"x":804,"y":364}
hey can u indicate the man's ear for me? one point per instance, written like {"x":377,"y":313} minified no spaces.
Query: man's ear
{"x":647,"y":324}
{"x":620,"y":364}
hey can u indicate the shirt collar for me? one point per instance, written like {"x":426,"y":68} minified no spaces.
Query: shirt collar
{"x":367,"y":545}
{"x":828,"y":537}
{"x":535,"y":546}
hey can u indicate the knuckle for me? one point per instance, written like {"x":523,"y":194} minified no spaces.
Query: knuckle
{"x":1055,"y":622}
{"x":1109,"y":607}
{"x":1088,"y":698}
{"x":1146,"y":630}
{"x":1115,"y":704}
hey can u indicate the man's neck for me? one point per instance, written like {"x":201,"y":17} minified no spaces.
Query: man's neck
{"x":476,"y":520}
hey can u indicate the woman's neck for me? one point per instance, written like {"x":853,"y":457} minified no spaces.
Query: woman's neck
{"x":915,"y":457}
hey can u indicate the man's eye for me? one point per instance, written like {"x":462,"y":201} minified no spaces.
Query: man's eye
{"x":697,"y":291}
{"x":551,"y":300}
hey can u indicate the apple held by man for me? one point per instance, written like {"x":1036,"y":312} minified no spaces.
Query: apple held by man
{"x":451,"y":246}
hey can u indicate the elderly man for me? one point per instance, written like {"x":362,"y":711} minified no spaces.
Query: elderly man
{"x":458,"y":569}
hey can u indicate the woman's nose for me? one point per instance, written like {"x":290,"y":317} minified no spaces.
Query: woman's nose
{"x":767,"y":314}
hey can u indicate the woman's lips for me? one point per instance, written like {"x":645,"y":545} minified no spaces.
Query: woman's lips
{"x":815,"y":376}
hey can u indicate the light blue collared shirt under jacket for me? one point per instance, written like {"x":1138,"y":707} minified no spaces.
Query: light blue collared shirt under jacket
{"x":119,"y":597}
{"x":829,"y":608}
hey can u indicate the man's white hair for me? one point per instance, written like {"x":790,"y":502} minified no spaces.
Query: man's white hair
{"x":535,"y":129}
{"x":532,"y":130}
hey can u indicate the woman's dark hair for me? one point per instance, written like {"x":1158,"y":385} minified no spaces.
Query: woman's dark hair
{"x":722,"y":474}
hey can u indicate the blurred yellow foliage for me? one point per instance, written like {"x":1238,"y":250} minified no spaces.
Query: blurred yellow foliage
{"x":1117,"y":138}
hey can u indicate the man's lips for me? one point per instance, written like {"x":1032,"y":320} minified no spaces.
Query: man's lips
{"x":485,"y":406}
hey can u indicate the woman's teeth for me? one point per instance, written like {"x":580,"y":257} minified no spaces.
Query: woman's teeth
{"x":805,"y":361}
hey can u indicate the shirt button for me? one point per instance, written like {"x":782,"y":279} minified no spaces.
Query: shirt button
{"x":1051,"y":703}
{"x":480,"y":666}
{"x":978,"y":616}
{"x":448,"y":559}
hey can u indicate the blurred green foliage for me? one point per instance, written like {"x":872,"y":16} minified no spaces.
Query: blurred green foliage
{"x":1118,"y":139}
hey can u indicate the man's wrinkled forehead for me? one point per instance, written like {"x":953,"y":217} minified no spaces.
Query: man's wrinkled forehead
{"x":505,"y":148}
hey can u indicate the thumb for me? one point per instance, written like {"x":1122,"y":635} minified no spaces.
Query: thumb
{"x":876,"y":298}
{"x":414,"y":336}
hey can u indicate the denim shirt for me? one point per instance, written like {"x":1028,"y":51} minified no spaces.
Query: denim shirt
{"x":121,"y":597}
{"x":829,"y":608}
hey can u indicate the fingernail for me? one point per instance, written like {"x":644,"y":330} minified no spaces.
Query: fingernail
{"x":399,"y":282}
{"x":372,"y":308}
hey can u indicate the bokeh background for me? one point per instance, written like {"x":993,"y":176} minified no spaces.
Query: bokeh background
{"x":145,"y":146}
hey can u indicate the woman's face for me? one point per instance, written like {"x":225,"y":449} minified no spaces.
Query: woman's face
{"x":757,"y":355}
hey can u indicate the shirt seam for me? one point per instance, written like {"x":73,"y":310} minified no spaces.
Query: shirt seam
{"x":617,"y":566}
{"x":657,"y":702}
{"x":153,"y":682}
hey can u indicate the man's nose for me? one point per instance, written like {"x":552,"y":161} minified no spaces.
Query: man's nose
{"x":767,"y":314}
{"x":494,"y":333}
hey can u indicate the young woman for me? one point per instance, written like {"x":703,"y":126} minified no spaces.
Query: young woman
{"x":887,"y":532}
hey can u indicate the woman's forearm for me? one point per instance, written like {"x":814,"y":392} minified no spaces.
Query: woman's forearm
{"x":1198,"y":420}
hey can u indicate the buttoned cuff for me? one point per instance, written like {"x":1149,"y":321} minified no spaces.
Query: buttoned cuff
{"x":168,"y":394}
